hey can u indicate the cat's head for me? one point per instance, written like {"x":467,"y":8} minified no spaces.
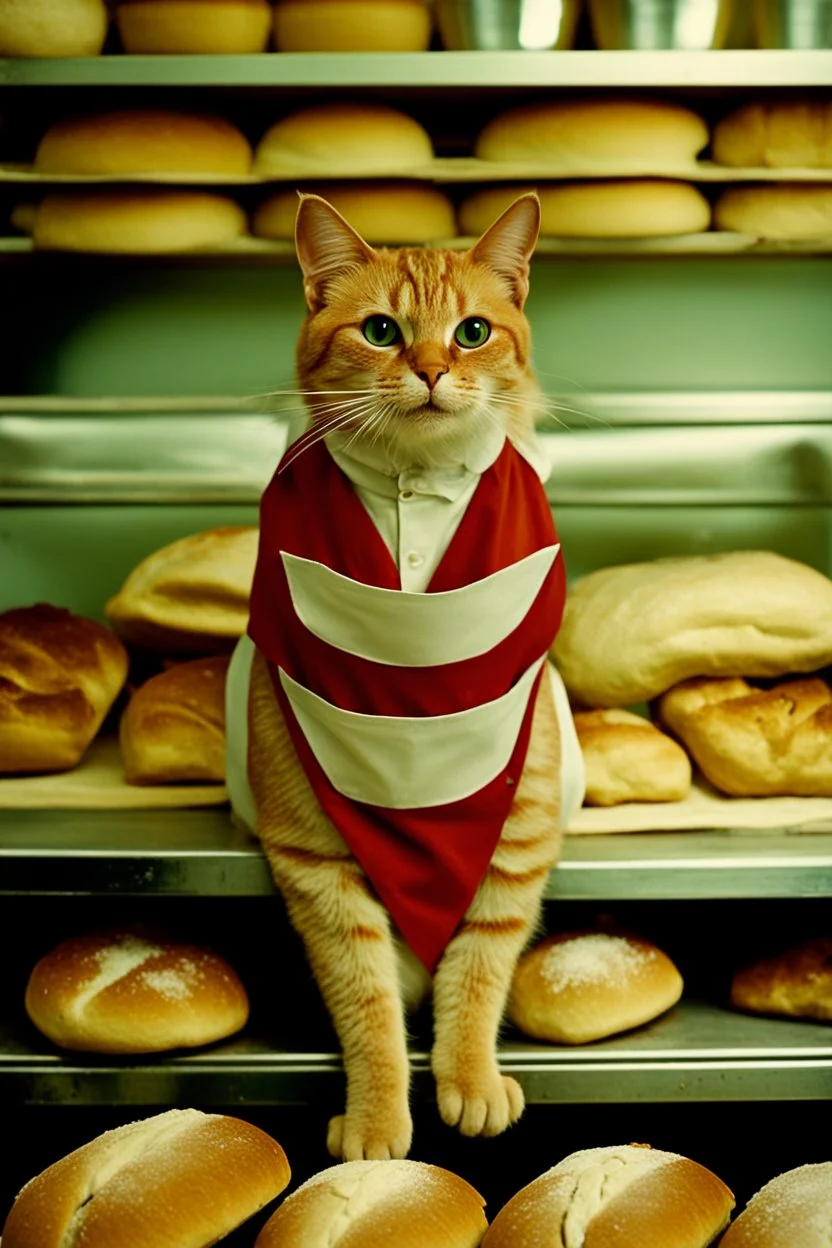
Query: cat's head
{"x":417,"y":354}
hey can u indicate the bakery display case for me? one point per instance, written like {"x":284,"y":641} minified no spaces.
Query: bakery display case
{"x":149,"y":398}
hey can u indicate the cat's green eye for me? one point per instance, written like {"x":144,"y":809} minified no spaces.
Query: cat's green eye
{"x":472,"y":332}
{"x":381,"y":331}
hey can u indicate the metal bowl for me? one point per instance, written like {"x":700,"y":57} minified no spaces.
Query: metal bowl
{"x":794,"y":23}
{"x":647,"y":25}
{"x":498,"y":25}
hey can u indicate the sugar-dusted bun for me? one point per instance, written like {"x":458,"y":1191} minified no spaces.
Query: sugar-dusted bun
{"x":146,"y":140}
{"x":342,"y":138}
{"x":630,"y":1195}
{"x":52,"y":27}
{"x":173,"y":730}
{"x":381,"y":212}
{"x":581,"y":986}
{"x":190,"y":597}
{"x":755,"y":742}
{"x":146,"y":222}
{"x":627,"y":759}
{"x":797,"y":983}
{"x":631,"y":631}
{"x":793,"y":1210}
{"x":622,"y":133}
{"x":352,"y":26}
{"x":376,"y":1204}
{"x":777,"y":210}
{"x":194,"y":26}
{"x":182,"y":1179}
{"x":776,"y":134}
{"x":59,"y":675}
{"x":624,"y":208}
{"x":127,"y":992}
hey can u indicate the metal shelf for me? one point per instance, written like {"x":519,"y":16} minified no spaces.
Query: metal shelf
{"x":200,"y":852}
{"x":673,"y":71}
{"x":697,"y":1052}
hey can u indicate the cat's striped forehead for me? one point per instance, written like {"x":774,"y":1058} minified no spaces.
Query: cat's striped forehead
{"x":424,"y":282}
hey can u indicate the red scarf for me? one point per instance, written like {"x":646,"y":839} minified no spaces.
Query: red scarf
{"x":426,"y":863}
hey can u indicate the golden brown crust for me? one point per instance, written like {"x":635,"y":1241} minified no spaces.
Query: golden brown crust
{"x":194,"y":26}
{"x":173,"y":729}
{"x":59,"y":675}
{"x":336,"y":137}
{"x":797,"y":982}
{"x":794,"y":1208}
{"x":776,"y":134}
{"x":627,"y":759}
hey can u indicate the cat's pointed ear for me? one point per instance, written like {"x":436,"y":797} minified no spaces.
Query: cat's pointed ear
{"x":507,"y":245}
{"x":327,"y":246}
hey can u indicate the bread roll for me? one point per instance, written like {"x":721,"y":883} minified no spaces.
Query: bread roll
{"x":343,"y":138}
{"x":374,"y":1204}
{"x":793,"y":1210}
{"x":628,"y":760}
{"x":630,"y":632}
{"x":778,"y":210}
{"x":173,"y":730}
{"x":146,"y":222}
{"x":182,"y":1179}
{"x":582,"y":986}
{"x":123,"y":992}
{"x":623,"y":133}
{"x":352,"y":26}
{"x":628,"y":208}
{"x":381,"y":212}
{"x":630,"y":1196}
{"x":146,"y":140}
{"x":797,"y":983}
{"x":752,"y":742}
{"x":776,"y":134}
{"x":52,"y":27}
{"x":59,"y":676}
{"x":190,"y":597}
{"x":193,"y":26}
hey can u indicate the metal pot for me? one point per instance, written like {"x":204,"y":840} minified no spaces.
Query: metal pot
{"x":497,"y":25}
{"x":794,"y":23}
{"x":646,"y":25}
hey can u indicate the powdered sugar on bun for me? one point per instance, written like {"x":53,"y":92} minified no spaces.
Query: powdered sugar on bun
{"x":792,"y":1210}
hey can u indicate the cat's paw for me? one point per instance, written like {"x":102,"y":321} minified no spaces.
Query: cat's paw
{"x":369,"y":1137}
{"x":485,"y":1107}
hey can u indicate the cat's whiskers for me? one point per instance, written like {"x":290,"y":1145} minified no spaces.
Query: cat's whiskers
{"x":320,"y":430}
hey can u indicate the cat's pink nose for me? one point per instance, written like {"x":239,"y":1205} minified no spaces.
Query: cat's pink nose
{"x":430,"y":374}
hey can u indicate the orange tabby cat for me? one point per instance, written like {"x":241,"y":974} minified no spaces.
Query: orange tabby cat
{"x":418,"y":398}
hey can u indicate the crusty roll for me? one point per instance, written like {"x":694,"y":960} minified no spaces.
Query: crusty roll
{"x":621,"y":133}
{"x":630,"y":1196}
{"x":581,"y":986}
{"x":125,"y":992}
{"x":777,"y":210}
{"x":182,"y":1179}
{"x":628,"y":760}
{"x":776,"y":134}
{"x":137,"y":222}
{"x":623,"y":208}
{"x":193,"y":26}
{"x":343,"y":138}
{"x":52,"y":27}
{"x":373,"y":1204}
{"x":381,"y":212}
{"x":797,"y":983}
{"x":755,"y":742}
{"x":144,"y":140}
{"x":352,"y":26}
{"x":59,"y":675}
{"x":173,"y":729}
{"x":190,"y":597}
{"x":631,"y":631}
{"x":793,"y":1210}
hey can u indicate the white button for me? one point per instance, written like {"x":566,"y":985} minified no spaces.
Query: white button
{"x":405,"y":495}
{"x":415,"y":559}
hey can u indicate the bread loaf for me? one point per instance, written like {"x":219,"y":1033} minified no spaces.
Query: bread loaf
{"x":777,"y":210}
{"x":173,"y":729}
{"x":630,"y":1196}
{"x":190,"y":597}
{"x":581,"y":986}
{"x":628,"y":760}
{"x":182,"y":1179}
{"x":753,"y":742}
{"x":797,"y":983}
{"x":193,"y":26}
{"x":342,"y":139}
{"x":126,"y":992}
{"x":59,"y":675}
{"x":376,"y":1204}
{"x":776,"y":134}
{"x":137,"y":222}
{"x":352,"y":26}
{"x":793,"y":1210}
{"x":382,"y":212}
{"x":52,"y":27}
{"x":630,"y":632}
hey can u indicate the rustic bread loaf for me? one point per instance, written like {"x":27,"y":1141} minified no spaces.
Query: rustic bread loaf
{"x":173,"y":729}
{"x":797,"y":983}
{"x":381,"y":211}
{"x":777,"y":210}
{"x":776,"y":134}
{"x":201,"y":27}
{"x":628,"y":760}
